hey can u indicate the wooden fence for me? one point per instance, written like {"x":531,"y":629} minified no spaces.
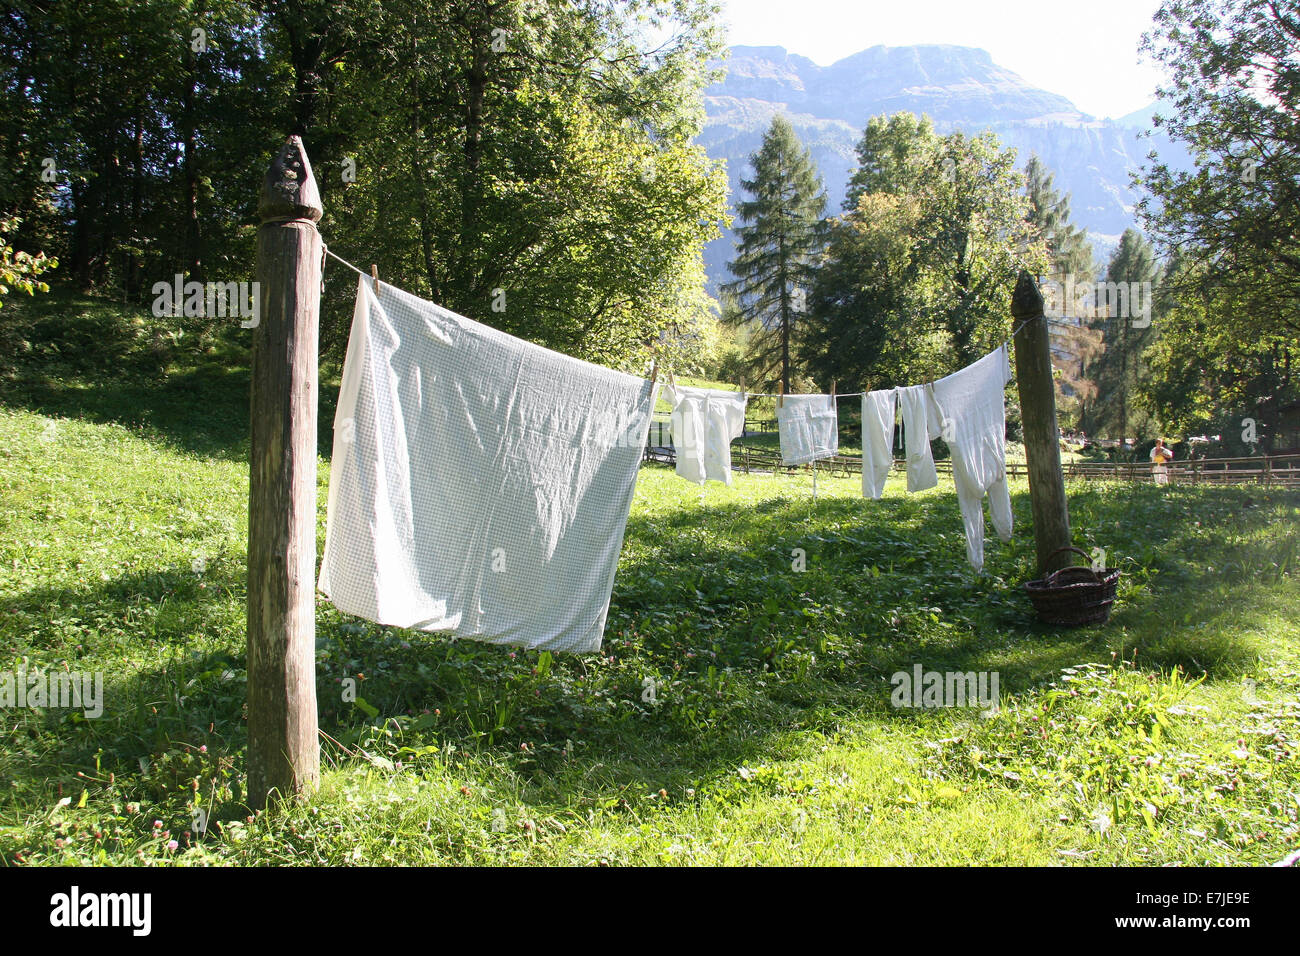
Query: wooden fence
{"x":1278,"y":470}
{"x":750,"y":458}
{"x":1281,"y":470}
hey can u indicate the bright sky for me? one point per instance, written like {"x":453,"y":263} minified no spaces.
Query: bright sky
{"x":1085,"y":51}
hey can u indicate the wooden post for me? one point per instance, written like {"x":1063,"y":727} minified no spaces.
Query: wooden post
{"x":283,"y":750}
{"x":1038,"y":416}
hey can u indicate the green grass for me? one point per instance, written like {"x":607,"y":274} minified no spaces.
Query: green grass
{"x":1168,"y":735}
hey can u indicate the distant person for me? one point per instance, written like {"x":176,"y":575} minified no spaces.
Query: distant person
{"x":1159,"y":455}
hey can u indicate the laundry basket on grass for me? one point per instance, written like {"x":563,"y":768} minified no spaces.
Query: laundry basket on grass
{"x":1075,"y":595}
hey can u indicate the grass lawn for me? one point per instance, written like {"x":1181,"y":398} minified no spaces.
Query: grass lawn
{"x":740,"y":712}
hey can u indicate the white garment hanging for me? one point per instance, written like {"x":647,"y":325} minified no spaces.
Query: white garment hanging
{"x":973,"y":402}
{"x":705,"y":421}
{"x":920,"y":424}
{"x":877,"y":440}
{"x":480,"y":484}
{"x":808,"y":427}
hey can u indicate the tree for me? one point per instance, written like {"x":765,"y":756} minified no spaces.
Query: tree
{"x":870,"y":290}
{"x":918,"y":270}
{"x":1202,"y":376}
{"x":19,"y":271}
{"x":528,"y":163}
{"x":1049,"y":211}
{"x":1074,"y":343}
{"x":140,"y":130}
{"x":537,"y":164}
{"x":1120,"y":368}
{"x":1231,"y":226}
{"x":780,"y":237}
{"x":1234,"y":90}
{"x":978,"y":240}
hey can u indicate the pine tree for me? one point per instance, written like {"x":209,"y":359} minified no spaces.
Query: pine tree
{"x":780,"y":237}
{"x":1050,"y":212}
{"x":1074,"y":342}
{"x":1124,"y":337}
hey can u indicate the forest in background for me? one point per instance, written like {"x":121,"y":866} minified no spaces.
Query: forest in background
{"x":532,"y":164}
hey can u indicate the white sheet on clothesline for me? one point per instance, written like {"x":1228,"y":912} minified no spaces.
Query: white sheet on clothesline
{"x":480,"y":484}
{"x":877,"y":440}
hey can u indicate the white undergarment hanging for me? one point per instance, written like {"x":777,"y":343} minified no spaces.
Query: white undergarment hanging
{"x":920,"y":425}
{"x":877,"y":440}
{"x":972,"y":403}
{"x":705,"y":421}
{"x":808,"y":427}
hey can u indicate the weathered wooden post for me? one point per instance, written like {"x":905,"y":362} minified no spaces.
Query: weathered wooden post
{"x":1038,"y":416}
{"x":283,"y":750}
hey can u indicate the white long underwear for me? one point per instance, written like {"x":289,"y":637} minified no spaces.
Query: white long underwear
{"x":704,"y":423}
{"x":920,"y":425}
{"x":972,"y":403}
{"x":877,"y":440}
{"x":480,"y":484}
{"x":808,"y":427}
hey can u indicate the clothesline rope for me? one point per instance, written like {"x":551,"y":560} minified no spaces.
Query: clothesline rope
{"x":789,"y":394}
{"x":1014,"y":332}
{"x":341,"y":259}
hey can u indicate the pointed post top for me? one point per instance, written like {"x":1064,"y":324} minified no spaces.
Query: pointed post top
{"x":289,"y":190}
{"x":1027,"y":300}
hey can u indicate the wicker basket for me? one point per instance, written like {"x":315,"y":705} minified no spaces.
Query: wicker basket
{"x":1073,"y":596}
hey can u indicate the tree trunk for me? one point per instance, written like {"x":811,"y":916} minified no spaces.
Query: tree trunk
{"x":1123,"y":380}
{"x":476,"y":79}
{"x":785,"y":315}
{"x":189,"y":169}
{"x":421,"y":184}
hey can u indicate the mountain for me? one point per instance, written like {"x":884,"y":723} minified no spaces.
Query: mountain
{"x":1140,"y":119}
{"x":959,"y":88}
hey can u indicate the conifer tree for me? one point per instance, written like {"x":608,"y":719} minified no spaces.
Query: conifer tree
{"x":1120,"y":365}
{"x":780,"y":236}
{"x":1075,"y":343}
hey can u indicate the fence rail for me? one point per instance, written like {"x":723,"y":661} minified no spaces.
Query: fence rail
{"x":1280,"y":470}
{"x":1277,"y":470}
{"x":1283,"y":470}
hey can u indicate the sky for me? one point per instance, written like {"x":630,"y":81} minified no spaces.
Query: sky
{"x":1087,"y":52}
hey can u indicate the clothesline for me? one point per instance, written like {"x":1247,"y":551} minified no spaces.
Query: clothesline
{"x":1014,"y":333}
{"x":966,"y":409}
{"x":792,"y":394}
{"x":341,"y":259}
{"x":415,"y":537}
